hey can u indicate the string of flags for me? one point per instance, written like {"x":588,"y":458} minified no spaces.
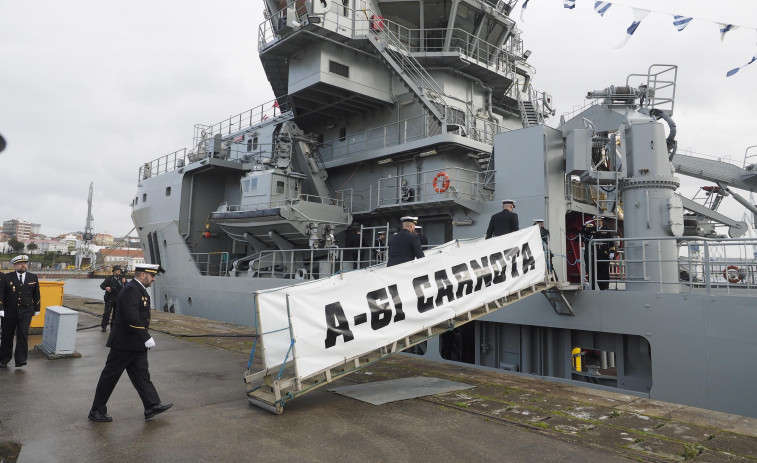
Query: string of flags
{"x":680,"y":22}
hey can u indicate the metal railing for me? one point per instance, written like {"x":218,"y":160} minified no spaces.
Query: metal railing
{"x":450,"y":183}
{"x":342,"y":202}
{"x":211,"y":263}
{"x":261,"y":113}
{"x":399,"y":133}
{"x":312,"y":264}
{"x":704,"y":265}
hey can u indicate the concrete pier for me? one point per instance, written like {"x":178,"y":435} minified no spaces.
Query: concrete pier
{"x":199,"y":364}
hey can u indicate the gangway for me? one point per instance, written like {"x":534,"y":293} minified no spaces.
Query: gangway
{"x":314,"y":333}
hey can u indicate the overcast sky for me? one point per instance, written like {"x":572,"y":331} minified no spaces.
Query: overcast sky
{"x":91,"y":90}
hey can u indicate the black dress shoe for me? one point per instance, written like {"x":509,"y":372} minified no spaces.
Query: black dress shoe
{"x":99,"y":417}
{"x":156,"y":410}
{"x":104,"y":329}
{"x":20,"y":364}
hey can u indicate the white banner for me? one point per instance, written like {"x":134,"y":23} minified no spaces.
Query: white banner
{"x":350,"y":314}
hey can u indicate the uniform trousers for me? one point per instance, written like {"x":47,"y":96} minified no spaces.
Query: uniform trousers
{"x":110,"y":308}
{"x":19,"y":327}
{"x":136,"y":366}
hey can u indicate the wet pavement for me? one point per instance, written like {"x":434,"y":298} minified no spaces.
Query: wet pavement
{"x":199,"y":365}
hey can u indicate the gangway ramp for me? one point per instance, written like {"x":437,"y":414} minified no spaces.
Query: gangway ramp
{"x":313,"y":333}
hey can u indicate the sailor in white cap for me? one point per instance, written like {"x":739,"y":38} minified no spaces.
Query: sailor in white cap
{"x":419,"y":232}
{"x":503,"y":222}
{"x":19,"y":302}
{"x":405,"y":245}
{"x":129,"y":342}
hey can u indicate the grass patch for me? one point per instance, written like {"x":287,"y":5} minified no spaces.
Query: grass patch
{"x":691,"y":451}
{"x":541,"y":424}
{"x":461,"y":404}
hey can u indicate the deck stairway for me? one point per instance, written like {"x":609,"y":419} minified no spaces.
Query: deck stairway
{"x":414,"y":76}
{"x":286,"y":379}
{"x":529,"y":113}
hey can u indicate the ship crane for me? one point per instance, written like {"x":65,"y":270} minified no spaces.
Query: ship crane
{"x":85,"y":256}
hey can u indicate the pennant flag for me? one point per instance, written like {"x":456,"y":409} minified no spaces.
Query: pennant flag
{"x":638,"y":15}
{"x":724,"y":29}
{"x":680,"y":22}
{"x":265,"y":116}
{"x":275,"y":104}
{"x":523,"y":11}
{"x":602,"y":7}
{"x":569,"y":4}
{"x":734,"y":71}
{"x":238,"y":138}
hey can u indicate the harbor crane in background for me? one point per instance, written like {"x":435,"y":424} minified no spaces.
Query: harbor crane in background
{"x":85,"y":256}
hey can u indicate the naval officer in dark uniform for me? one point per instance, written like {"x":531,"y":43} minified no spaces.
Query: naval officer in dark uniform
{"x":19,"y":302}
{"x":112,"y":286}
{"x":405,"y":245}
{"x":503,"y":222}
{"x":129,"y":342}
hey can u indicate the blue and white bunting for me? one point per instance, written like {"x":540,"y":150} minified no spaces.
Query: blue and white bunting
{"x":523,"y":11}
{"x":602,"y":7}
{"x":569,"y":4}
{"x":724,"y":29}
{"x":680,"y":22}
{"x":735,"y":70}
{"x":638,"y":15}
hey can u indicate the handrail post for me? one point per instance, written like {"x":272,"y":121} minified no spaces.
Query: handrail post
{"x":707,"y":282}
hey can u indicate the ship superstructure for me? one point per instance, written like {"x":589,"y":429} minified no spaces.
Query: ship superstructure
{"x":426,"y":108}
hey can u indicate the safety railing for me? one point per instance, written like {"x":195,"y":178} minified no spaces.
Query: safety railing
{"x":399,"y":133}
{"x":353,"y":22}
{"x":451,"y":183}
{"x":342,"y":200}
{"x":703,"y":265}
{"x":234,"y":152}
{"x":211,"y":263}
{"x":261,"y":113}
{"x":312,"y":264}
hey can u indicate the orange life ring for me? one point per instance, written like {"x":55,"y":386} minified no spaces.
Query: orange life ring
{"x":442,"y":186}
{"x":732,"y":277}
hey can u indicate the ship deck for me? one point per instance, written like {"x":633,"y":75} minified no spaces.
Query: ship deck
{"x":198,"y":364}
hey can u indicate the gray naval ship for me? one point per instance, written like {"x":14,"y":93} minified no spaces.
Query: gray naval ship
{"x":426,"y":108}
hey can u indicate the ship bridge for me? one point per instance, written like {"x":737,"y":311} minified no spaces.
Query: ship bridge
{"x":321,"y":57}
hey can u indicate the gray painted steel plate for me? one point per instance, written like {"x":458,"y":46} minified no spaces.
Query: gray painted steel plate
{"x":381,"y":392}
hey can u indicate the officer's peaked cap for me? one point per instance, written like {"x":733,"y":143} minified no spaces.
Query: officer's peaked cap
{"x":23,"y":258}
{"x":153,"y":269}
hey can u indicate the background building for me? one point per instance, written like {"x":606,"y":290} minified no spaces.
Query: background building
{"x":126,"y":258}
{"x":21,"y":229}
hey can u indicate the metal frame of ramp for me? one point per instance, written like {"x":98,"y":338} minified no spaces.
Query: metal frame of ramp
{"x":281,"y":381}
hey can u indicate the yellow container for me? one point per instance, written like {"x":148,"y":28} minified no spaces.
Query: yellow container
{"x":50,"y":293}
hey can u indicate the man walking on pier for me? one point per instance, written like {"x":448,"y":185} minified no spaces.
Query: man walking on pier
{"x":129,"y":342}
{"x":19,"y":302}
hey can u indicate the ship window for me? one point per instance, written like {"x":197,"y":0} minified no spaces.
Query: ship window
{"x":255,"y":143}
{"x":168,"y":191}
{"x":245,"y":186}
{"x":144,"y":197}
{"x":339,"y":69}
{"x":249,"y":145}
{"x":346,"y":4}
{"x":343,"y":134}
{"x":253,"y":184}
{"x":279,"y":187}
{"x":136,"y":200}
